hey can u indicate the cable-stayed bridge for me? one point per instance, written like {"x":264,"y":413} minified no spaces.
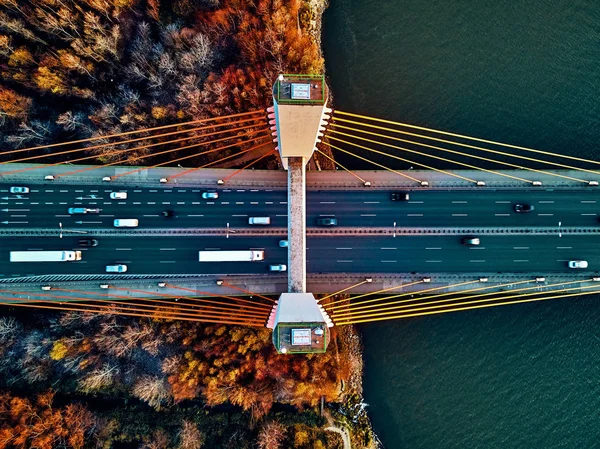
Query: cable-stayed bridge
{"x":499,"y":224}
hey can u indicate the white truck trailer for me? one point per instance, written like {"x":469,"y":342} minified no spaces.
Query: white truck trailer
{"x":44,"y":256}
{"x":231,"y":256}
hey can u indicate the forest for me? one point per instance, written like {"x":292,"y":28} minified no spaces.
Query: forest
{"x":75,"y":69}
{"x":79,"y":380}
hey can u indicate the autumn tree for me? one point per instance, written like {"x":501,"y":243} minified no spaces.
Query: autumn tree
{"x":25,"y":424}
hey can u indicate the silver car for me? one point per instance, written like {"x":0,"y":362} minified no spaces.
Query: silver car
{"x":578,"y":264}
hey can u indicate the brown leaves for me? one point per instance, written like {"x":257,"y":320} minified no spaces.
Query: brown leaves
{"x":37,"y":425}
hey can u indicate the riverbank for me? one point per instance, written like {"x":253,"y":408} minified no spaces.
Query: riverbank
{"x":350,"y":415}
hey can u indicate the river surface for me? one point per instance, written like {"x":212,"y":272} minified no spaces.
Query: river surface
{"x":525,"y":72}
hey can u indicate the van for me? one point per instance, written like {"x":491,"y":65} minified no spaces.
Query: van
{"x":259,"y":220}
{"x":126,"y":223}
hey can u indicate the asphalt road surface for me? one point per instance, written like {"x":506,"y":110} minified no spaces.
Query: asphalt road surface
{"x":46,"y":206}
{"x":541,"y":255}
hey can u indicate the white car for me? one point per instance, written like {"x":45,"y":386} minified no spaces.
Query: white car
{"x":578,"y":264}
{"x":118,"y":195}
{"x":19,"y":190}
{"x":210,"y":195}
{"x":119,"y":268}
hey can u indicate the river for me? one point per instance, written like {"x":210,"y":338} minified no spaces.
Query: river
{"x":525,"y":72}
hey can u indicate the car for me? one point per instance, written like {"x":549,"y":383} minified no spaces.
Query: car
{"x":264,"y":221}
{"x":168,"y":213}
{"x":278,"y":267}
{"x":126,"y":223}
{"x":118,"y":268}
{"x":19,"y":190}
{"x":83,"y":210}
{"x":118,"y":195}
{"x":210,"y":195}
{"x":470,"y":241}
{"x":88,"y":242}
{"x":400,"y":196}
{"x":327,"y":221}
{"x":523,"y":208}
{"x":283,"y":243}
{"x":578,"y":264}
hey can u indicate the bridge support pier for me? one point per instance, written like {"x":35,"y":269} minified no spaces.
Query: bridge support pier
{"x":296,"y":225}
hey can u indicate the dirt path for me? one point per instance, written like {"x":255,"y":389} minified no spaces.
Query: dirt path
{"x":343,"y":432}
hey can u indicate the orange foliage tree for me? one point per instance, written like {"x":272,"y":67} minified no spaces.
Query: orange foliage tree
{"x":240,"y":365}
{"x":26,"y":424}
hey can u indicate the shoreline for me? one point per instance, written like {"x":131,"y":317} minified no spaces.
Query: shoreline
{"x":352,"y":414}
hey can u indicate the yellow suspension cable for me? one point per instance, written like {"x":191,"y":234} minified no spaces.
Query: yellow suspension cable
{"x":428,"y":155}
{"x":461,"y":136}
{"x":328,"y":305}
{"x":404,"y":175}
{"x":337,"y":163}
{"x":392,"y":156}
{"x":127,"y":133}
{"x":113,"y":152}
{"x":478,"y":301}
{"x":343,"y":290}
{"x":143,"y":138}
{"x":192,"y":155}
{"x":460,"y":298}
{"x":479,"y":157}
{"x":441,"y":295}
{"x":400,"y":295}
{"x":481,"y":306}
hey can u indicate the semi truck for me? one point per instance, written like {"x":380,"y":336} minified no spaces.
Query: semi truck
{"x":249,"y":255}
{"x":44,"y":256}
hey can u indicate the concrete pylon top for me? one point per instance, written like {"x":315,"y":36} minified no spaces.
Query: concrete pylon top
{"x":299,"y":103}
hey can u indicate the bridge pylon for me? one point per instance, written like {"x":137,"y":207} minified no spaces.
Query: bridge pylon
{"x":298,"y":118}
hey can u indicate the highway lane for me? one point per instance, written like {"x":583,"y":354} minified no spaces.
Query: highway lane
{"x":404,"y":254}
{"x":457,"y":208}
{"x":47,"y":205}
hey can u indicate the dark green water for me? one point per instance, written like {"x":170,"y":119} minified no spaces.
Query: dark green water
{"x":525,"y":72}
{"x":519,"y":71}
